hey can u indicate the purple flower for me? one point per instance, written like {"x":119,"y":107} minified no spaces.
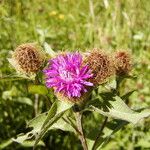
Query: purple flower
{"x":67,"y":74}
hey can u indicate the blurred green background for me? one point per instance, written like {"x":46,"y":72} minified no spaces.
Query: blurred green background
{"x":73,"y":25}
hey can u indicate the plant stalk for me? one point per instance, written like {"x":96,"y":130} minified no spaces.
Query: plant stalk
{"x":36,"y":104}
{"x":78,"y":116}
{"x":100,"y":133}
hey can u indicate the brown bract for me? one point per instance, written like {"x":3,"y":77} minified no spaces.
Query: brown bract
{"x":123,"y":62}
{"x":101,"y":65}
{"x":78,"y":100}
{"x":29,"y":57}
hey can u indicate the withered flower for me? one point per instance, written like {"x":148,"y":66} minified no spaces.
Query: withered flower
{"x":101,"y":65}
{"x":123,"y":62}
{"x":27,"y":58}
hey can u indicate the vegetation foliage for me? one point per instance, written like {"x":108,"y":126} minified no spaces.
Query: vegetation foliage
{"x":31,"y":115}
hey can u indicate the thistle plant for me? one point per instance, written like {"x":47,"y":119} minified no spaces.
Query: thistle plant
{"x":78,"y":82}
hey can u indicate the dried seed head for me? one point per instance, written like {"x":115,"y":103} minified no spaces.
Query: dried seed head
{"x":29,"y":58}
{"x":101,"y":64}
{"x":123,"y":62}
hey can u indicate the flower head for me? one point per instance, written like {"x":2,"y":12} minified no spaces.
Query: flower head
{"x":67,"y":74}
{"x":123,"y":62}
{"x":28,"y":58}
{"x":101,"y":65}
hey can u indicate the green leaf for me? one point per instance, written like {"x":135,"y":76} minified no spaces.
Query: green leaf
{"x":116,"y":108}
{"x":110,"y":129}
{"x":42,"y":120}
{"x":23,"y":100}
{"x":6,"y":143}
{"x":25,"y":140}
{"x":108,"y":133}
{"x":31,"y":143}
{"x":90,"y":143}
{"x":62,"y":106}
{"x":52,"y":112}
{"x":127,"y":95}
{"x":111,"y":85}
{"x":38,"y":89}
{"x":14,"y":95}
{"x":11,"y":93}
{"x":11,"y":78}
{"x":62,"y":125}
{"x":49,"y":50}
{"x":45,"y":122}
{"x":52,"y":117}
{"x":35,"y":124}
{"x":56,"y":108}
{"x":46,"y":127}
{"x":144,"y":143}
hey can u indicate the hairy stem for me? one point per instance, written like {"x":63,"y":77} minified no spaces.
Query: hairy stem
{"x":78,"y":116}
{"x":36,"y":104}
{"x":100,"y":133}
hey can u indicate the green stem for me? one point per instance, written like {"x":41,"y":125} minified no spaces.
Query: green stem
{"x":48,"y":102}
{"x":71,"y":124}
{"x":36,"y":104}
{"x":100,"y":133}
{"x":78,"y":116}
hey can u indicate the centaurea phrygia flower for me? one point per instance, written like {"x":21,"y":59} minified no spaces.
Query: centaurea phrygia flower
{"x":67,"y":75}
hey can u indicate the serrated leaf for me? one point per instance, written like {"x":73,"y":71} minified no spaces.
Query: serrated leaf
{"x":46,"y":127}
{"x":35,"y":124}
{"x":116,"y":108}
{"x":25,"y":140}
{"x":47,"y":121}
{"x":127,"y":95}
{"x":38,"y":89}
{"x":61,"y":107}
